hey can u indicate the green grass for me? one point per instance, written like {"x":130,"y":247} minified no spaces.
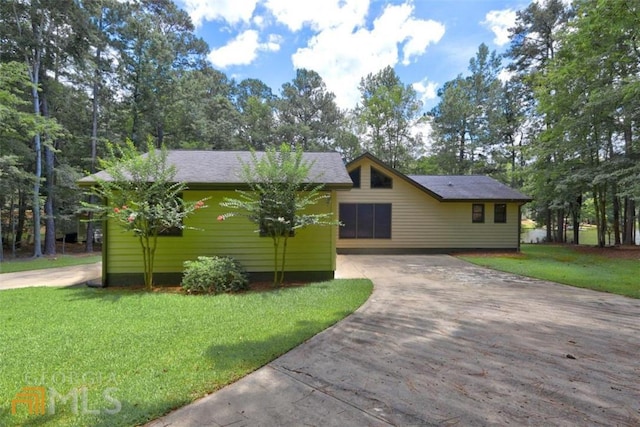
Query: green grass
{"x":13,"y":266}
{"x":565,"y":265}
{"x":150,"y":352}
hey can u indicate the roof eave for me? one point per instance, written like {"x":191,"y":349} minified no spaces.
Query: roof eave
{"x":212,"y":186}
{"x":474,"y":200}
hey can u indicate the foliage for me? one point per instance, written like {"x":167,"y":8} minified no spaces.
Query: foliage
{"x":563,"y":128}
{"x":585,"y":92}
{"x":308,"y":116}
{"x":156,"y":42}
{"x":469,"y":123}
{"x":280,"y":191}
{"x":214,"y":275}
{"x":388,"y":112}
{"x":159,"y":350}
{"x":142,"y":197}
{"x":570,"y":266}
{"x":535,"y":41}
{"x":14,"y":122}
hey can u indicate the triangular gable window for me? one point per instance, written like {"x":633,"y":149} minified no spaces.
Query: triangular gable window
{"x":355,"y":177}
{"x":380,"y":180}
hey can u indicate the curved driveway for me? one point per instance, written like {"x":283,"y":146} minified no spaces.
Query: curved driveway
{"x":59,"y":276}
{"x":443,"y":342}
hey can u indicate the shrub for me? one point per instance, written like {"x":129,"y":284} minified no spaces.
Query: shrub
{"x":214,"y":275}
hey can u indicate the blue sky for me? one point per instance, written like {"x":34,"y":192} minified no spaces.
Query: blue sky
{"x":428,"y":42}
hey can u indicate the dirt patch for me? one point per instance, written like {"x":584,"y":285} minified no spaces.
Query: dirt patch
{"x":268,"y":286}
{"x":494,"y":254}
{"x":615,"y":252}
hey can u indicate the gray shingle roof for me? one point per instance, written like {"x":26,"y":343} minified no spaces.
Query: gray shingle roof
{"x":468,"y":187}
{"x":223,"y":167}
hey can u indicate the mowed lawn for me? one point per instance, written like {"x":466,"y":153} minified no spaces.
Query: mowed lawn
{"x":121,"y":358}
{"x":570,"y":266}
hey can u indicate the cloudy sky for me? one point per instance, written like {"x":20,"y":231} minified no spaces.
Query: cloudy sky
{"x":428,"y":42}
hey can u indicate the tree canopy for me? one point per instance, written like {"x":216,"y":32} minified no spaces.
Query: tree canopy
{"x":556,"y":116}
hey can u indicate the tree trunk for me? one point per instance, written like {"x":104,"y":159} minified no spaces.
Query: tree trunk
{"x":160,"y":139}
{"x":549,"y":225}
{"x":461,"y":153}
{"x":599,"y":199}
{"x":560,"y":236}
{"x":94,"y":139}
{"x":37,"y":147}
{"x":49,"y":211}
{"x":616,"y":217}
{"x":22,"y":215}
{"x":629,"y":237}
{"x":575,"y":213}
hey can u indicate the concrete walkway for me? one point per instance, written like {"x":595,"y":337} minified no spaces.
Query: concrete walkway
{"x":62,"y":276}
{"x":443,"y":342}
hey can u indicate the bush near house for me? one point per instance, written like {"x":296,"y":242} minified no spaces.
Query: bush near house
{"x":214,"y":275}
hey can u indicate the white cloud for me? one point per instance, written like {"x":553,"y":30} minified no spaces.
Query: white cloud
{"x":273,"y":43}
{"x":243,"y":50}
{"x":545,"y":2}
{"x":426,"y":90}
{"x":499,"y":22}
{"x":231,"y":11}
{"x":259,"y":21}
{"x":319,"y":14}
{"x":505,"y":75}
{"x":343,"y":55}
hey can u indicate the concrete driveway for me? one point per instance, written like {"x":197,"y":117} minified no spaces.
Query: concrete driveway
{"x":61,"y":276}
{"x":443,"y":342}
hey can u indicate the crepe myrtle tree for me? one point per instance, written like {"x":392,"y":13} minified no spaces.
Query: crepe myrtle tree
{"x":142,"y":197}
{"x":280,"y":192}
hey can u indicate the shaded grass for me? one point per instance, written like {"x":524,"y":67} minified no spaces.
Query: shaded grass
{"x":150,"y":352}
{"x":27,"y":264}
{"x":565,"y":265}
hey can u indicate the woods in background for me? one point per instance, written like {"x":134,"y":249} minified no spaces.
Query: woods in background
{"x":556,"y":117}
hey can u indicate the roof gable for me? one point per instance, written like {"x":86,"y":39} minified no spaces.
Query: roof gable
{"x":453,"y":188}
{"x":388,"y":170}
{"x":197,"y":167}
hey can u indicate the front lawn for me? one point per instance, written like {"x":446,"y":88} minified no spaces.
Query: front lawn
{"x":129,"y":357}
{"x":568,"y":265}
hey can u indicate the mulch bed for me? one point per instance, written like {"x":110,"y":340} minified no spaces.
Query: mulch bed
{"x":614,"y":252}
{"x":176,"y":289}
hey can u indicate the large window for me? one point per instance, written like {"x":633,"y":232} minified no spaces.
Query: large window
{"x":500,"y":213}
{"x":477,"y":213}
{"x":355,"y":177}
{"x":380,"y":180}
{"x":365,"y":220}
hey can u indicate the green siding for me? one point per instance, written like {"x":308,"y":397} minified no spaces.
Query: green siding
{"x":311,"y":249}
